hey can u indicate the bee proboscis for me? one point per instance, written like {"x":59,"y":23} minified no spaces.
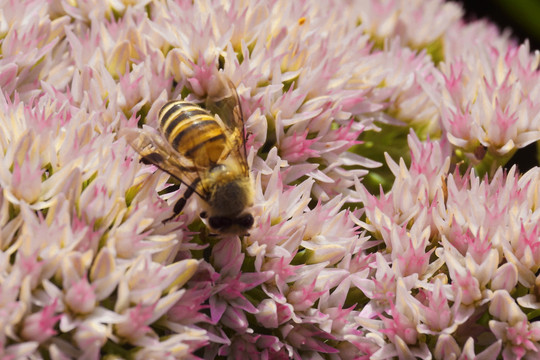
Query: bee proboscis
{"x":205,"y":152}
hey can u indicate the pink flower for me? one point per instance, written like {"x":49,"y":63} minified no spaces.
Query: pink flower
{"x":302,"y":296}
{"x":39,"y":326}
{"x":190,"y":308}
{"x":80,"y":297}
{"x":26,"y":182}
{"x":399,"y":326}
{"x":412,"y":258}
{"x":385,"y":19}
{"x":469,"y":287}
{"x":271,"y":313}
{"x":448,"y":347}
{"x":348,"y":258}
{"x":308,"y":338}
{"x":519,"y":337}
{"x":231,"y":282}
{"x":135,"y":324}
{"x":30,"y":267}
{"x":502,"y":115}
{"x":438,"y":316}
{"x":296,"y":148}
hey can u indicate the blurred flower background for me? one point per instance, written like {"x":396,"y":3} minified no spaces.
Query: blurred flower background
{"x":519,"y":17}
{"x":389,"y":222}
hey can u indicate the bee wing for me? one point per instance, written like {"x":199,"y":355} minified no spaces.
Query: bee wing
{"x":226,"y":104}
{"x":154,"y":149}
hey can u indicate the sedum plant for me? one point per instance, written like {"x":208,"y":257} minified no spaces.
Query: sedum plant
{"x":377,"y":131}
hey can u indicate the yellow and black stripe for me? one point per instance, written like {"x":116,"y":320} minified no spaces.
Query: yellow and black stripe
{"x":192,"y":131}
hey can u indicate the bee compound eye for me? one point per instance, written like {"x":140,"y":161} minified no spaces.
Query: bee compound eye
{"x":219,"y":222}
{"x":245,"y":221}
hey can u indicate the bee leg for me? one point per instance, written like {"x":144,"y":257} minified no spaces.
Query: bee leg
{"x":179,"y":206}
{"x":152,"y":158}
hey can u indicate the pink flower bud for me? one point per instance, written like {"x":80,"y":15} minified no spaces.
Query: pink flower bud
{"x":39,"y":326}
{"x":80,"y":297}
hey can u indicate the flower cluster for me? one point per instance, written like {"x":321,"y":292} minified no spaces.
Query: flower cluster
{"x":385,"y":226}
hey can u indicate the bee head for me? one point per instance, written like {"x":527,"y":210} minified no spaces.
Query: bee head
{"x":230,"y":225}
{"x":229,"y":192}
{"x":229,"y":197}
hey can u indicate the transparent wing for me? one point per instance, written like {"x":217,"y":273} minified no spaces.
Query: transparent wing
{"x":226,"y":104}
{"x":154,"y":149}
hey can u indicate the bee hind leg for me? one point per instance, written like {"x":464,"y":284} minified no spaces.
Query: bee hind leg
{"x":179,"y":206}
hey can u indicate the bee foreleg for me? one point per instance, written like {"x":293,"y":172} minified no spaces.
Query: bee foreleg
{"x":152,"y":158}
{"x":179,"y":206}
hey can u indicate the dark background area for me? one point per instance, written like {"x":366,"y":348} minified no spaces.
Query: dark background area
{"x":506,"y":14}
{"x":522,"y":17}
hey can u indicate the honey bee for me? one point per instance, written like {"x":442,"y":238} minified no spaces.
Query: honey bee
{"x":206,"y":150}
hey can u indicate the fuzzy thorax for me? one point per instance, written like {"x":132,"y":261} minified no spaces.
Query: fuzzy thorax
{"x":230,"y":191}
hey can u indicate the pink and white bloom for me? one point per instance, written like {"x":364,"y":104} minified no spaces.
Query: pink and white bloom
{"x":376,"y":131}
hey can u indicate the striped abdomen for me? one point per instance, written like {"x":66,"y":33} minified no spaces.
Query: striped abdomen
{"x":192,"y":131}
